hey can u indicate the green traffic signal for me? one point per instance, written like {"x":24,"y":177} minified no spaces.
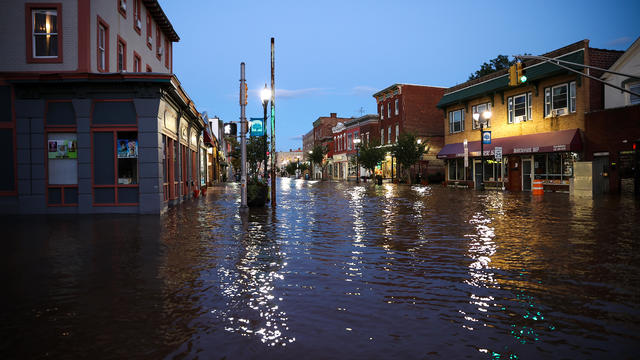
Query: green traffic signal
{"x":523,"y":79}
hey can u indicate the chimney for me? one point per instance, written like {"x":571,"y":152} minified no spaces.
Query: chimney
{"x":334,"y":115}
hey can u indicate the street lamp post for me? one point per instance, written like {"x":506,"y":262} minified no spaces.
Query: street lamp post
{"x":265,"y":95}
{"x":485,"y":118}
{"x":356,"y":142}
{"x":419,"y":141}
{"x":311,"y":176}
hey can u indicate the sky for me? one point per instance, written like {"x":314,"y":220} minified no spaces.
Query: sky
{"x":332,"y":56}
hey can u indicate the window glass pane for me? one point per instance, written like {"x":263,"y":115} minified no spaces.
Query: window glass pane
{"x":128,"y":195}
{"x":7,"y":175}
{"x":103,"y":158}
{"x":114,"y":113}
{"x":62,"y":155}
{"x":70,"y":195}
{"x":572,"y":96}
{"x":460,"y":169}
{"x":547,"y":102}
{"x":510,"y":105}
{"x":554,"y":164}
{"x":520,"y":105}
{"x":127,"y":157}
{"x":488,"y":170}
{"x":528,"y":106}
{"x":46,"y":45}
{"x":55,"y":196}
{"x":452,"y":169}
{"x":104,"y":195}
{"x":567,"y":164}
{"x":635,"y":88}
{"x":540,"y":166}
{"x":559,"y":94}
{"x":60,"y":113}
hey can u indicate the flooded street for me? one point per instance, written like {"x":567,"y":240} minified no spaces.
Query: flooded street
{"x":337,"y":271}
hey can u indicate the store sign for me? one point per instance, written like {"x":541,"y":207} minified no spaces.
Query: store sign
{"x":486,"y":137}
{"x":63,"y":149}
{"x":127,"y":148}
{"x":498,"y":153}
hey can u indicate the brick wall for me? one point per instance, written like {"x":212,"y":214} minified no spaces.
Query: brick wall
{"x":602,"y":59}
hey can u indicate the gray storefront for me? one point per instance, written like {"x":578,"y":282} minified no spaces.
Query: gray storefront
{"x":98,"y":144}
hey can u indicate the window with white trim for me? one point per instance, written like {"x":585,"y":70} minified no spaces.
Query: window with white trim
{"x":397,"y":131}
{"x":388,"y":110}
{"x":389,"y":135}
{"x":396,"y":107}
{"x":381,"y":111}
{"x":45,"y":33}
{"x":349,"y":141}
{"x":103,"y":34}
{"x":519,"y":108}
{"x":456,"y":121}
{"x":381,"y":136}
{"x":560,"y":99}
{"x":633,"y":99}
{"x":480,"y":108}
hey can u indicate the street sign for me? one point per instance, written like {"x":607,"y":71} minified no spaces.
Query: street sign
{"x":498,"y":153}
{"x":256,"y":127}
{"x":486,"y":137}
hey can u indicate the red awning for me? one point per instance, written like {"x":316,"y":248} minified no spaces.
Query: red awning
{"x":563,"y":140}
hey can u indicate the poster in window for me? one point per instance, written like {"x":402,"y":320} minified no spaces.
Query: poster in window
{"x":63,"y":149}
{"x":127,"y":148}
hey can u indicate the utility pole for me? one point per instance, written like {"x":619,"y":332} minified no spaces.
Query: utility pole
{"x":243,"y":143}
{"x":273,"y":126}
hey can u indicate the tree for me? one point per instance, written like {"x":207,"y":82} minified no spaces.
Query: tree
{"x":498,"y":63}
{"x":236,"y":161}
{"x":407,"y":151}
{"x":255,"y":153}
{"x":370,"y":155}
{"x":317,"y":156}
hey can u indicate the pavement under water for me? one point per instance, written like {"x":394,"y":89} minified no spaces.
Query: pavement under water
{"x":337,"y":270}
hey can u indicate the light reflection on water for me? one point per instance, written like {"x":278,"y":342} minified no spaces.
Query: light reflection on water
{"x":335,"y":271}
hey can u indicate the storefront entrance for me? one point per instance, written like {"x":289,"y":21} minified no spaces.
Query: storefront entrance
{"x":526,"y":174}
{"x":515,"y":177}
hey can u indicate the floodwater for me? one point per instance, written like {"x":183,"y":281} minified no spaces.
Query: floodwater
{"x":337,"y":271}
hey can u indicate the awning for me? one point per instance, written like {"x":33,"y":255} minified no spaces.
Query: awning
{"x":563,"y":140}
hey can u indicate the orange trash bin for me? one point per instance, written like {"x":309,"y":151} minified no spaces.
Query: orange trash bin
{"x":538,"y":188}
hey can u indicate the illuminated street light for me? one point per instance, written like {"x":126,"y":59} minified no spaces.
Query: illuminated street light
{"x":356,"y":143}
{"x":484,"y":119}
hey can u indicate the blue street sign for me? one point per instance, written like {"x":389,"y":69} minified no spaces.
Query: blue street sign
{"x":486,"y":137}
{"x":256,"y":127}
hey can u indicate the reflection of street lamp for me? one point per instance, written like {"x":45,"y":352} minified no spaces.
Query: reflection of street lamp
{"x":311,"y":162}
{"x":485,"y":119}
{"x":356,"y":143}
{"x":420,"y":161}
{"x":265,"y":95}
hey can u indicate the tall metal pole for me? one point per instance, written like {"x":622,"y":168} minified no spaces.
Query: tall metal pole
{"x":481,"y":185}
{"x":273,"y":126}
{"x":264,"y":124}
{"x":243,"y":143}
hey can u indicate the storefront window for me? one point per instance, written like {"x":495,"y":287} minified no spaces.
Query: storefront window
{"x":456,"y":169}
{"x":127,"y":157}
{"x":554,"y":167}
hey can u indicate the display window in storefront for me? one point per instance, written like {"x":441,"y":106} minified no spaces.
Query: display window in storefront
{"x":554,"y":167}
{"x":456,"y":169}
{"x":61,"y":154}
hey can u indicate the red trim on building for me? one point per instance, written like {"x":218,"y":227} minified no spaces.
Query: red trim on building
{"x":149,"y":69}
{"x":122,"y":42}
{"x":122,"y":11}
{"x":29,"y":7}
{"x":137,"y":16}
{"x":104,"y":24}
{"x":136,"y":56}
{"x":158,"y":43}
{"x":84,"y":35}
{"x":56,"y":129}
{"x":149,"y":31}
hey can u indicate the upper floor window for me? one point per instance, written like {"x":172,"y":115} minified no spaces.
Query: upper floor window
{"x":389,"y":135}
{"x":158,"y":43}
{"x":635,"y":88}
{"x":137,"y":13}
{"x":103,"y":46}
{"x":349,"y":141}
{"x":456,"y":121}
{"x":560,"y":99}
{"x":519,"y":108}
{"x":381,"y":111}
{"x":396,"y":107}
{"x":397,"y":131}
{"x":45,"y":40}
{"x":479,"y":109}
{"x":122,"y":55}
{"x":388,"y":110}
{"x":149,"y":33}
{"x":122,"y":7}
{"x":137,"y":62}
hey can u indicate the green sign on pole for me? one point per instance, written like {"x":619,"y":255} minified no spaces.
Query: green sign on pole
{"x":256,"y":127}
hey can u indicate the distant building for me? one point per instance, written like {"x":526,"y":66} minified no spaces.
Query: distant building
{"x":406,"y":108}
{"x":343,"y":149}
{"x":321,"y":134}
{"x":92,"y":120}
{"x":283,"y":158}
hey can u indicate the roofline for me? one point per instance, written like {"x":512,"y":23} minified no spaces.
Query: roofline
{"x":389,"y":88}
{"x":623,"y":58}
{"x":154,"y":8}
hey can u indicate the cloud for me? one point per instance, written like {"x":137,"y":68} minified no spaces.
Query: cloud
{"x":363,"y":90}
{"x":288,"y":94}
{"x":294,"y":138}
{"x":620,"y":41}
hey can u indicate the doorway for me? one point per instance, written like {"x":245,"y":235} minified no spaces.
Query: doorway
{"x":515,"y":178}
{"x":600,"y":174}
{"x":526,"y":174}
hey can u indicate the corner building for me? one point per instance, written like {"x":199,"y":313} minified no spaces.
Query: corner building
{"x":539,"y":124}
{"x":93,"y":120}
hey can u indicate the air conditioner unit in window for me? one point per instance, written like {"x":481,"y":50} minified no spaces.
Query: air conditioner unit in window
{"x":123,"y":5}
{"x":520,"y":118}
{"x":138,"y":24}
{"x":558,"y":112}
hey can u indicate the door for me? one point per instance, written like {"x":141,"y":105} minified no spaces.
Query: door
{"x":600,"y":174}
{"x":477,"y":173}
{"x":526,"y":174}
{"x":515,"y":178}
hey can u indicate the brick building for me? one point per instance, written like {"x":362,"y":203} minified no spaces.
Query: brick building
{"x":93,"y":120}
{"x":321,"y":134}
{"x":405,"y":108}
{"x":343,"y":149}
{"x":539,"y":124}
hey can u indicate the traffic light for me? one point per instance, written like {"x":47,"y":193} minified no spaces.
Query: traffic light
{"x":230,"y":129}
{"x":513,"y":75}
{"x":520,"y":73}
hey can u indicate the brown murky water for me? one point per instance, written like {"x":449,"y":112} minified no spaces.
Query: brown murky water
{"x":337,"y":271}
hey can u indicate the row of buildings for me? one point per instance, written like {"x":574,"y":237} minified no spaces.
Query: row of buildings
{"x":543,"y":127}
{"x":92,"y":118}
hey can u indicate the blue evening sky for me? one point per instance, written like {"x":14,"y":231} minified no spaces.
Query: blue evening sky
{"x":331,"y":56}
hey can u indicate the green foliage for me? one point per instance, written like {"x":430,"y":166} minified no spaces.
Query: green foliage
{"x":317,"y":154}
{"x":256,"y":146}
{"x":291,"y":168}
{"x":370,"y":154}
{"x":498,"y":63}
{"x":235,"y":154}
{"x":407,"y":151}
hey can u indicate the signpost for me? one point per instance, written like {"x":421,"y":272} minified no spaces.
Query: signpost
{"x":256,"y":127}
{"x":486,"y":137}
{"x":498,"y":154}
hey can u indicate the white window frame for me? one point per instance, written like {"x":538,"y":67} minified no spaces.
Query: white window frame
{"x":102,"y":33}
{"x":397,"y":131}
{"x":388,"y":110}
{"x":349,"y":141}
{"x":389,"y":135}
{"x":396,"y":107}
{"x":382,"y":136}
{"x":570,"y":105}
{"x":452,"y":122}
{"x":121,"y":56}
{"x":511,"y":108}
{"x":382,"y":111}
{"x":480,"y":108}
{"x":635,"y":87}
{"x":34,"y":34}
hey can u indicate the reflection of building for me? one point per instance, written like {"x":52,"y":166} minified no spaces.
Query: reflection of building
{"x":405,"y":108}
{"x":108,"y":83}
{"x":539,"y":124}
